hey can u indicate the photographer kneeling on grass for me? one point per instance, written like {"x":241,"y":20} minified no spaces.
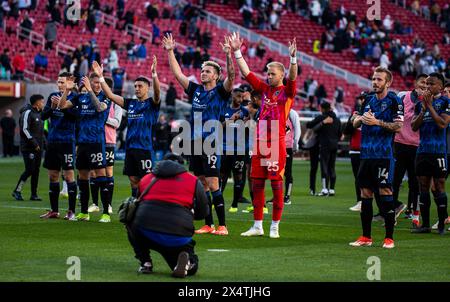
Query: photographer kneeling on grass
{"x":164,"y":220}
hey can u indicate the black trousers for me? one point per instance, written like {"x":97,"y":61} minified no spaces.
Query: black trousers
{"x":405,"y":157}
{"x":8,"y":145}
{"x":288,"y":179}
{"x":314,"y":164}
{"x":327,"y":166}
{"x":142,"y":246}
{"x":355,"y":159}
{"x":32,"y":162}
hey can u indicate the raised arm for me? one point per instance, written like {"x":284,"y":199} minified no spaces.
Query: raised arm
{"x":293,"y":68}
{"x":228,"y":83}
{"x":108,"y":92}
{"x":63,"y":102}
{"x":169,"y":46}
{"x":156,"y":85}
{"x":99,"y":106}
{"x":236,"y":42}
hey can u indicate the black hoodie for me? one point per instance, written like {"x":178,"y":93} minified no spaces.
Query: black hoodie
{"x":168,"y":217}
{"x":328,"y":134}
{"x":31,"y":129}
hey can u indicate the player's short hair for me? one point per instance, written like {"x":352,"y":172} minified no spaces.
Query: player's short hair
{"x":110,"y":82}
{"x":447,"y":85}
{"x":36,"y":97}
{"x":238,"y":90}
{"x":213,"y":64}
{"x":438,"y":76}
{"x":386,"y":71}
{"x":256,"y":94}
{"x":65,"y":75}
{"x":142,"y":79}
{"x":93,"y":76}
{"x":421,"y":76}
{"x":325,"y":105}
{"x":278,"y":65}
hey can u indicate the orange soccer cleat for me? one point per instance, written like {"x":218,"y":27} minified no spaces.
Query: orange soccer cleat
{"x":206,"y":229}
{"x":221,"y":230}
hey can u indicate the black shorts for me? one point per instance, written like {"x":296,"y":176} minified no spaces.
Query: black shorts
{"x":376,"y":173}
{"x":434,"y":165}
{"x":60,"y":156}
{"x":206,"y":165}
{"x":233,"y":163}
{"x":91,"y":156}
{"x":109,"y":152}
{"x":138,"y":162}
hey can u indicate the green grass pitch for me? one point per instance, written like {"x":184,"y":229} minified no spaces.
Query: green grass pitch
{"x":315,"y":232}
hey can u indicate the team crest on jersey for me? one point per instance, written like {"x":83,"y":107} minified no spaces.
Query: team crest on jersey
{"x":438,"y":106}
{"x":277,"y":92}
{"x":383,"y":106}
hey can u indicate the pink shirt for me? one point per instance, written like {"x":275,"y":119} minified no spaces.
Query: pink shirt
{"x":407,"y":136}
{"x":112,"y":123}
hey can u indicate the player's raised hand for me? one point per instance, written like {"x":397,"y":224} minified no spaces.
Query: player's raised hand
{"x":87,"y":83}
{"x":226,"y":45}
{"x":168,"y":42}
{"x":235,"y":41}
{"x":70,"y":83}
{"x":55,"y":101}
{"x":97,"y":68}
{"x":293,"y":47}
{"x":154,"y":64}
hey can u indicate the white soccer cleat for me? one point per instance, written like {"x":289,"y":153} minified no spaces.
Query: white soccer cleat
{"x":274,"y":232}
{"x":93,"y":208}
{"x":356,"y":207}
{"x":110,"y":209}
{"x":253,"y":232}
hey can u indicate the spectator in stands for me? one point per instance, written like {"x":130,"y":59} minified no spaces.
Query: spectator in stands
{"x":274,"y":20}
{"x":247,"y":14}
{"x":315,"y":11}
{"x":5,"y":64}
{"x":50,"y":34}
{"x":435,"y":12}
{"x":197,"y":59}
{"x":74,"y":68}
{"x":187,"y":57}
{"x":120,"y":5}
{"x":309,"y":106}
{"x":67,"y":61}
{"x":312,"y":89}
{"x":376,"y":52}
{"x":156,"y":34}
{"x":388,"y":23}
{"x":91,"y":22}
{"x":321,"y":93}
{"x":113,"y":59}
{"x":251,"y":51}
{"x":18,"y":64}
{"x":141,"y":50}
{"x":260,"y":49}
{"x":384,"y":60}
{"x":415,"y":7}
{"x":40,"y":62}
{"x":119,"y":76}
{"x":27,"y":25}
{"x":84,"y":67}
{"x":151,"y":12}
{"x":95,"y":56}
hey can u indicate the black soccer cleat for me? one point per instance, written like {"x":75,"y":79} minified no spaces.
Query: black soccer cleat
{"x":17,"y":196}
{"x":421,"y":230}
{"x":35,"y":198}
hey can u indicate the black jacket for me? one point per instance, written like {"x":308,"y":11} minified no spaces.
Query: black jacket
{"x":8,"y":125}
{"x":31,"y":129}
{"x":328,"y":134}
{"x":167,"y":217}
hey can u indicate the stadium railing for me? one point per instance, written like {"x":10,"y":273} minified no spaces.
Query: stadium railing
{"x":30,"y":35}
{"x":281,"y":49}
{"x":62,"y":48}
{"x":32,"y":76}
{"x":139,"y":32}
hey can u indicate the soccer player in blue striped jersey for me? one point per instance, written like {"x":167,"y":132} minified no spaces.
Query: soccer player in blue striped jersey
{"x":93,"y":109}
{"x":381,"y":116}
{"x":234,"y":146}
{"x":60,"y":153}
{"x":432,"y":116}
{"x":208,"y":99}
{"x":142,"y":115}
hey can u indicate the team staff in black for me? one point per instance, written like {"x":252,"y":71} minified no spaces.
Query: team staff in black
{"x":164,"y":220}
{"x":31,"y":145}
{"x":328,"y":128}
